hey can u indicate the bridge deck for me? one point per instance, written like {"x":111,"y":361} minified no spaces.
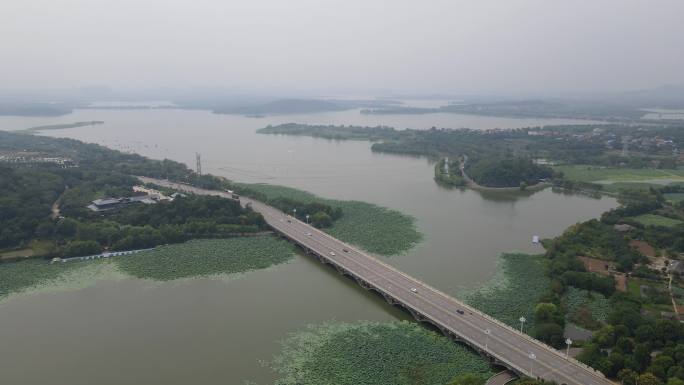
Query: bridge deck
{"x":505,"y":345}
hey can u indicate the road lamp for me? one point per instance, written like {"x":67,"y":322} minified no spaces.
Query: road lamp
{"x":567,"y":351}
{"x":522,"y":322}
{"x":532,"y":357}
{"x":487,"y":332}
{"x":307,"y":219}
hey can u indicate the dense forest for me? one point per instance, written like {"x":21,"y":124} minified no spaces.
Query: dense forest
{"x":28,"y":190}
{"x":508,"y":172}
{"x":27,"y":194}
{"x":633,"y":340}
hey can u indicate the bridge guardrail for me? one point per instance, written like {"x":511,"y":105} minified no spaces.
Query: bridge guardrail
{"x":484,"y":315}
{"x":546,"y":347}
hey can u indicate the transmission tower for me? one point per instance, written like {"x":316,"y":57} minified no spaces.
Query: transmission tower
{"x":198,"y":160}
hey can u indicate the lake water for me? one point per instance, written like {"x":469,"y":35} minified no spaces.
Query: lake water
{"x":219,"y":332}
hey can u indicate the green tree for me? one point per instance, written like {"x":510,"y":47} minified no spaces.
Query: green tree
{"x":627,"y":376}
{"x":649,"y":379}
{"x":81,"y":248}
{"x":544,"y":312}
{"x":551,"y":333}
{"x":321,"y":219}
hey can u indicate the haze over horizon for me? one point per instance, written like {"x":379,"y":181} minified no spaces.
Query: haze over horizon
{"x":352,"y":46}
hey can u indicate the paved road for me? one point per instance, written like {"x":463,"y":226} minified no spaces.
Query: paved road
{"x":506,"y":345}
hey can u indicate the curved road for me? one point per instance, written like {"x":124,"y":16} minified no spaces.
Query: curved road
{"x":505,"y":345}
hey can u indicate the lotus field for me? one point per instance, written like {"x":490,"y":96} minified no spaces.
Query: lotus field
{"x":395,"y":353}
{"x":373,"y":228}
{"x":196,"y":258}
{"x":207,"y":257}
{"x":513,"y":293}
{"x":19,"y":276}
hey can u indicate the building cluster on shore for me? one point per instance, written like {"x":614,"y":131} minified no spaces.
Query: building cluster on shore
{"x":151,"y":196}
{"x":35,"y":158}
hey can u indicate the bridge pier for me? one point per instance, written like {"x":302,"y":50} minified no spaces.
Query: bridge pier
{"x":364,"y":284}
{"x":390,"y":300}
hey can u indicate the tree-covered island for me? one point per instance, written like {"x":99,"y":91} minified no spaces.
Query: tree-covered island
{"x":517,"y":157}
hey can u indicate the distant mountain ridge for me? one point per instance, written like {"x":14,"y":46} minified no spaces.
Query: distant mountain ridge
{"x":283,"y":106}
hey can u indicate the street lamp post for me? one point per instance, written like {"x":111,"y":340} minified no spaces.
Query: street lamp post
{"x":567,"y":350}
{"x":522,"y":322}
{"x":532,"y":357}
{"x":487,"y":332}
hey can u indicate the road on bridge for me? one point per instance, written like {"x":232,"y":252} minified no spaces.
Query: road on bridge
{"x":506,"y":345}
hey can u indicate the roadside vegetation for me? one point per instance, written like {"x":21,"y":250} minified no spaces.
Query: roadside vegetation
{"x":373,"y":228}
{"x":394,"y":353}
{"x":612,"y":276}
{"x":513,"y":292}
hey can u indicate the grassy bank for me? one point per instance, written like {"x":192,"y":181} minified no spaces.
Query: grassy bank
{"x":207,"y":257}
{"x":396,"y":353}
{"x":656,"y":220}
{"x":514,"y":291}
{"x":585,"y":173}
{"x":373,"y":228}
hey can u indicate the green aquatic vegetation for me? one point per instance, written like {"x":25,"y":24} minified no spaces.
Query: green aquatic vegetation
{"x":369,"y":353}
{"x":375,"y":229}
{"x":191,"y":259}
{"x":39,"y":275}
{"x":596,"y":303}
{"x":23,"y":275}
{"x":207,"y":257}
{"x":514,"y":291}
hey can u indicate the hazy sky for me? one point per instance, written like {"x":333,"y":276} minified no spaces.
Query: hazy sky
{"x":352,"y":46}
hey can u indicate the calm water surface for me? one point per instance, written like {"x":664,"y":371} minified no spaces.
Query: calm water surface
{"x":216,"y":332}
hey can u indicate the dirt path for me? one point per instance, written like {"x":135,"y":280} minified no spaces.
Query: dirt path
{"x":54,"y":210}
{"x":674,"y":302}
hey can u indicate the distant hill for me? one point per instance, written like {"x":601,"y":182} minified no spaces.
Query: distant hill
{"x":670,"y":96}
{"x":283,"y":106}
{"x":34,"y":109}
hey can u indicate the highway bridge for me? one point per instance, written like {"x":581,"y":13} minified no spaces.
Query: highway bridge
{"x":502,"y":344}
